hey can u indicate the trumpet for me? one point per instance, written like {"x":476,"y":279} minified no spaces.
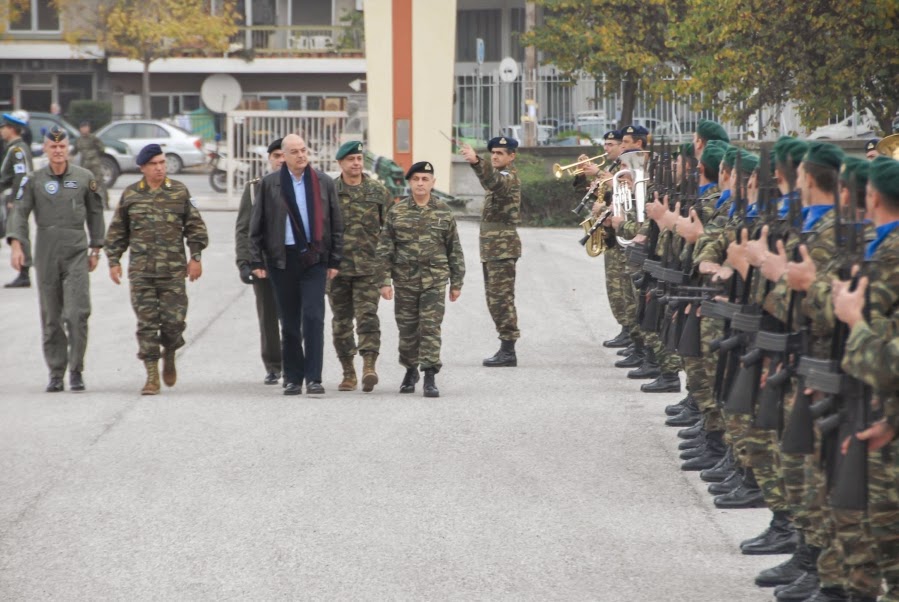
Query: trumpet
{"x":573,"y":169}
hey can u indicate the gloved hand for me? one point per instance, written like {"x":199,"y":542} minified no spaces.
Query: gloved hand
{"x":246,"y":274}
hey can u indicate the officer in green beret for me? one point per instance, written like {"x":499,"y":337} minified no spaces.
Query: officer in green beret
{"x":354,"y":294}
{"x":64,"y":198}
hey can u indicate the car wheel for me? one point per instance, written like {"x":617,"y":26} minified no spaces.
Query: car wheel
{"x":173,"y":164}
{"x":110,"y":169}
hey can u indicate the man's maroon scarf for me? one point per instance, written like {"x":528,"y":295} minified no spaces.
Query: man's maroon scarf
{"x":314,"y":207}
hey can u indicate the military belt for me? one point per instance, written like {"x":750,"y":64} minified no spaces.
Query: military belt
{"x":495,"y":226}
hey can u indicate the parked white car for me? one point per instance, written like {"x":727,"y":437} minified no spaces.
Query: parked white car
{"x":857,"y":125}
{"x":544,"y":133}
{"x":181,"y":148}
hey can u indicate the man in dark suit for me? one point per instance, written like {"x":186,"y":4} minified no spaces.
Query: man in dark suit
{"x":296,"y":238}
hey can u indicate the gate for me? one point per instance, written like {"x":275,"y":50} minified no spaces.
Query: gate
{"x":250,"y":132}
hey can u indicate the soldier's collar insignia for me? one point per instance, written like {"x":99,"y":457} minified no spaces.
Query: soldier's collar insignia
{"x":168,"y":183}
{"x":143,"y":184}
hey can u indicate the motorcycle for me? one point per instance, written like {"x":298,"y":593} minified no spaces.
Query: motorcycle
{"x":243,"y":170}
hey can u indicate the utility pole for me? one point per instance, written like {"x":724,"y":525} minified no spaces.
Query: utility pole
{"x":530,"y":79}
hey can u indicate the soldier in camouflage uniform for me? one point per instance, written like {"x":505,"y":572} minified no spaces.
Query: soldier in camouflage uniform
{"x":353,"y":294}
{"x":420,"y":249}
{"x":154,"y":218}
{"x":91,"y":150}
{"x":500,"y":246}
{"x":63,"y":197}
{"x":16,"y":163}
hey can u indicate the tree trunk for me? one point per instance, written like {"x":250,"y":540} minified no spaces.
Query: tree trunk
{"x":628,"y":98}
{"x":145,"y":91}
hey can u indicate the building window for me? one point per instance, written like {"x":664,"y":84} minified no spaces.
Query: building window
{"x":37,"y":15}
{"x":310,"y":12}
{"x":474,"y":24}
{"x":164,"y":106}
{"x":6,"y":92}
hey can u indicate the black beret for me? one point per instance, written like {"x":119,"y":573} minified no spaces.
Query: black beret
{"x":56,"y":134}
{"x":613,"y":135}
{"x":84,"y":123}
{"x":147,"y":153}
{"x":502,"y":142}
{"x":871,"y":144}
{"x":275,"y":145}
{"x":420,"y":167}
{"x":634,"y":130}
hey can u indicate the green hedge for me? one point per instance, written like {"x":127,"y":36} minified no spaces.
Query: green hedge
{"x":98,"y":112}
{"x":545,"y":201}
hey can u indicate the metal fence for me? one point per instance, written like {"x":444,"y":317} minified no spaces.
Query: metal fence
{"x":250,"y":132}
{"x":485,"y":105}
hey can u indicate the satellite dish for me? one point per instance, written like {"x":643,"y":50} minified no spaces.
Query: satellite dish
{"x":508,"y":70}
{"x":221,"y":93}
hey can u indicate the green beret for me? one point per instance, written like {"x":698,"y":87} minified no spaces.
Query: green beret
{"x":884,"y":176}
{"x":748,"y":161}
{"x":730,"y":156}
{"x":824,"y":154}
{"x":855,"y":169}
{"x":686,"y":149}
{"x":790,"y":150}
{"x":713,"y":153}
{"x":353,"y":147}
{"x":711,"y":130}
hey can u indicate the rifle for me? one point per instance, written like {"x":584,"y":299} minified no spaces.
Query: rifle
{"x":649,"y":306}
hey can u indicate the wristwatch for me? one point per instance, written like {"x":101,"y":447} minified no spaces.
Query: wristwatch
{"x":196,"y":256}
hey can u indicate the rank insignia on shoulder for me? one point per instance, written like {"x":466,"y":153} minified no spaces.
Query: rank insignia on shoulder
{"x":70,"y":184}
{"x":19,"y":168}
{"x":93,"y":186}
{"x":193,"y":202}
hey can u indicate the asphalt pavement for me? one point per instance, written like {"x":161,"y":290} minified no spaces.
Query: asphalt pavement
{"x":556,"y":480}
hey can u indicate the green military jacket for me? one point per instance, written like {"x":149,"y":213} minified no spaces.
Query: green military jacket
{"x":708,"y":247}
{"x":419,"y":246}
{"x":705,"y":208}
{"x":501,"y":214}
{"x":155,"y":224}
{"x":91,"y":149}
{"x":364,"y":210}
{"x":61,"y":204}
{"x":242,"y":224}
{"x":16,"y":163}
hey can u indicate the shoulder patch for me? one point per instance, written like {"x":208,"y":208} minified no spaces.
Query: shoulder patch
{"x":19,"y":155}
{"x":19,"y":168}
{"x":70,"y":184}
{"x":52,"y":187}
{"x":93,"y":186}
{"x":21,"y":192}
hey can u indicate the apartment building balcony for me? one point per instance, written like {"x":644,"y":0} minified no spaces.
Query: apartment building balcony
{"x":298,"y":41}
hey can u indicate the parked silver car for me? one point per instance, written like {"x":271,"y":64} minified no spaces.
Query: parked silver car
{"x":181,"y":148}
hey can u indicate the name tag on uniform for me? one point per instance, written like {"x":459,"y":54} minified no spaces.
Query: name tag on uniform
{"x":19,"y":168}
{"x":70,"y":184}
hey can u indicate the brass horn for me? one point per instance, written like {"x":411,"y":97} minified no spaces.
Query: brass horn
{"x":889,"y":146}
{"x":573,"y":169}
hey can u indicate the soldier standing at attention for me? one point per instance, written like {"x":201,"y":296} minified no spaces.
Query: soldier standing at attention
{"x":91,"y":149}
{"x":353,"y":294}
{"x":63,"y":197}
{"x":154,"y":217}
{"x":16,"y":163}
{"x":500,"y":245}
{"x":266,"y":308}
{"x":420,"y":249}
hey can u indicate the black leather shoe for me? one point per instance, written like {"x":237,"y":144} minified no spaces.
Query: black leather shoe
{"x":314,"y":388}
{"x":271,"y":378}
{"x":429,"y":386}
{"x":646,"y":370}
{"x":505,"y":357}
{"x":675,"y":408}
{"x":622,"y":339}
{"x":293,"y":389}
{"x":627,"y":351}
{"x":786,"y":572}
{"x":408,"y":384}
{"x":632,"y":361}
{"x":720,"y":471}
{"x":20,"y":281}
{"x":667,"y":382}
{"x":76,"y":383}
{"x":744,"y":496}
{"x":730,"y":482}
{"x":779,"y":538}
{"x":55,"y":385}
{"x":687,"y":417}
{"x":691,"y":443}
{"x":691,"y":432}
{"x":801,"y":589}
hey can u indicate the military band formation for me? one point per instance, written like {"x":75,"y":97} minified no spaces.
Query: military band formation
{"x":770,"y":279}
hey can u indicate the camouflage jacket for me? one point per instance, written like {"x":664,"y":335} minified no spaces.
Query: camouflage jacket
{"x":705,"y":208}
{"x":707,"y":248}
{"x":61,"y":205}
{"x":155,"y":225}
{"x":502,"y":212}
{"x":419,"y":246}
{"x":16,"y":163}
{"x":91,"y":149}
{"x":364,"y":210}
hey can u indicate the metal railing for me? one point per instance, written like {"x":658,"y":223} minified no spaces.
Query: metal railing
{"x":298,"y":40}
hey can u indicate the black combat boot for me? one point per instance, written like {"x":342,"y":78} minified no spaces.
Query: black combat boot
{"x":633,"y":360}
{"x":505,"y":357}
{"x":76,"y":383}
{"x":430,"y":387}
{"x":712,"y":453}
{"x":779,"y":538}
{"x":696,"y":441}
{"x":627,"y":350}
{"x":408,"y":385}
{"x":667,"y":382}
{"x":675,"y":408}
{"x":747,"y":495}
{"x":788,"y":571}
{"x":689,"y":416}
{"x":731,"y":482}
{"x":622,"y":339}
{"x":55,"y":385}
{"x":805,"y":586}
{"x":648,"y":369}
{"x":720,"y":471}
{"x":691,"y":432}
{"x":20,"y":281}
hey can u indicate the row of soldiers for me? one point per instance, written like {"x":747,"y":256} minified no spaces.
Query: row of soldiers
{"x":772,"y":281}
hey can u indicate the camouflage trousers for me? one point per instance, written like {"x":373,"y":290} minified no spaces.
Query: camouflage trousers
{"x":667,"y":361}
{"x":419,"y":316}
{"x":355,"y":298}
{"x":499,"y":286}
{"x":160,"y":305}
{"x":631,"y":308}
{"x":883,"y":511}
{"x":792,"y":471}
{"x":757,"y":449}
{"x":709,"y":330}
{"x":700,"y":386}
{"x":831,"y":569}
{"x":618,"y":282}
